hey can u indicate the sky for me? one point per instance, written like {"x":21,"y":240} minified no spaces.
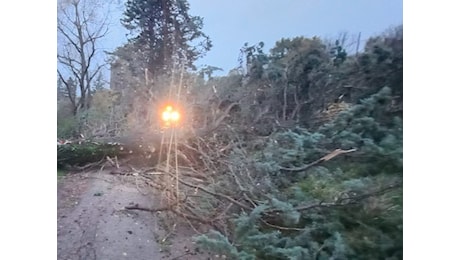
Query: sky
{"x":230,"y":24}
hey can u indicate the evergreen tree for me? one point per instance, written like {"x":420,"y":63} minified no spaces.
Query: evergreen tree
{"x":167,"y":32}
{"x":61,"y":90}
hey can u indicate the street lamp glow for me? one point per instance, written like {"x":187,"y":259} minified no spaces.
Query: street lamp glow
{"x":175,"y":116}
{"x":170,"y":115}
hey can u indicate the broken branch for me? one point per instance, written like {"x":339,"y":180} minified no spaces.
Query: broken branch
{"x":322,"y":159}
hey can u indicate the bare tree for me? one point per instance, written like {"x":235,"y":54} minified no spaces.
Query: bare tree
{"x":80,"y":28}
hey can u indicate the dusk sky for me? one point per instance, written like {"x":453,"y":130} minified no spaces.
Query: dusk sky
{"x":232,"y":23}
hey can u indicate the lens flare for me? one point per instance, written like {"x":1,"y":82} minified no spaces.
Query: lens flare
{"x":166,"y":116}
{"x":175,"y":116}
{"x":170,"y":115}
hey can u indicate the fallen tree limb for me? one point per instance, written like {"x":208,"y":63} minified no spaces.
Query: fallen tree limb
{"x":280,"y":227}
{"x":165,"y":208}
{"x":322,"y":159}
{"x":86,"y":152}
{"x":216,"y":194}
{"x":219,"y":216}
{"x":212,"y":193}
{"x":136,"y":207}
{"x":343,"y":201}
{"x":87,"y":166}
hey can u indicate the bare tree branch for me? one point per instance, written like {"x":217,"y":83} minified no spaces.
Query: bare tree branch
{"x":80,"y":29}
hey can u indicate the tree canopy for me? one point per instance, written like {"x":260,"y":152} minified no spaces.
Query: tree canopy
{"x":167,"y":32}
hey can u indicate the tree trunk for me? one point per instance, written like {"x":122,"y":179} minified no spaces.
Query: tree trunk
{"x":80,"y":153}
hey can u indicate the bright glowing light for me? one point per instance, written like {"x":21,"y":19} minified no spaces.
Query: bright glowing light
{"x":175,"y":116}
{"x":166,"y":116}
{"x":170,"y":115}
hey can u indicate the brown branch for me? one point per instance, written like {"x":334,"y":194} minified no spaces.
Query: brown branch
{"x":345,"y":201}
{"x":259,"y":115}
{"x":237,"y":181}
{"x":249,"y":199}
{"x":223,"y":212}
{"x":372,"y":194}
{"x":190,"y":209}
{"x":87,"y":166}
{"x":213,"y":193}
{"x":216,"y":194}
{"x":217,"y":122}
{"x":191,"y":217}
{"x":322,"y":159}
{"x":190,"y":170}
{"x":302,"y":168}
{"x":350,"y":200}
{"x":137,"y":207}
{"x":165,"y":208}
{"x":280,"y":227}
{"x":205,"y":158}
{"x":66,"y":35}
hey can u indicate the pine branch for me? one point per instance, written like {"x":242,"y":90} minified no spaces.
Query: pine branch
{"x":350,"y":200}
{"x":280,"y":227}
{"x":323,"y":159}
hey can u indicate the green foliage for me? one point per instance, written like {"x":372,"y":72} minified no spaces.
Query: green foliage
{"x":82,"y":153}
{"x":368,"y":222}
{"x":254,"y":59}
{"x":208,"y":71}
{"x":103,"y":117}
{"x":338,"y":53}
{"x":66,"y":128}
{"x":218,"y":243}
{"x":288,"y":214}
{"x":166,"y":31}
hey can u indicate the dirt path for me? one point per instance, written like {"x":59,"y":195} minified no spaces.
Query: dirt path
{"x":93,"y":225}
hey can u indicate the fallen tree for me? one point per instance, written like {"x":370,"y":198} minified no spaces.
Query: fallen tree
{"x":86,"y":152}
{"x":143,"y":147}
